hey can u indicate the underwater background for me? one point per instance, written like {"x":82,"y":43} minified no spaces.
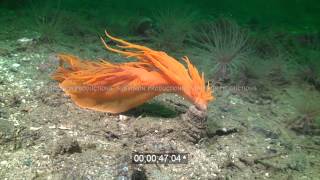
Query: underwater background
{"x":262,"y":58}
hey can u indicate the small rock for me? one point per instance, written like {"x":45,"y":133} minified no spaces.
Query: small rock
{"x":35,"y":128}
{"x":24,"y":40}
{"x":139,"y":173}
{"x":64,"y":127}
{"x":3,"y":163}
{"x":123,"y":117}
{"x":111,"y":136}
{"x":225,"y":131}
{"x":123,"y":171}
{"x":266,"y":133}
{"x":66,"y":146}
{"x":25,"y":59}
{"x":52,"y":127}
{"x":15,"y":65}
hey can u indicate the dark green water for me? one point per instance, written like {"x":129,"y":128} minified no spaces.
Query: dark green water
{"x":296,"y":14}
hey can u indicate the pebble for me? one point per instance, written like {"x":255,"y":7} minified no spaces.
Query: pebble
{"x":35,"y":128}
{"x":123,"y":117}
{"x":15,"y":65}
{"x":64,"y":127}
{"x":52,"y":127}
{"x":24,"y":40}
{"x":66,"y":145}
{"x":26,"y":59}
{"x":3,"y":163}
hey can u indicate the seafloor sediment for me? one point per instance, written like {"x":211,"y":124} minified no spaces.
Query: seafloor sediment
{"x":43,"y":134}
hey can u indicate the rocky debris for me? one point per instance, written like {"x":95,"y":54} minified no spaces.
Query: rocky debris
{"x":123,"y":171}
{"x":267,"y":133}
{"x":223,"y":132}
{"x":26,"y":137}
{"x":6,"y":131}
{"x":3,"y":114}
{"x":51,"y":95}
{"x":24,"y":40}
{"x":49,"y":65}
{"x":16,"y":137}
{"x":15,"y":67}
{"x":66,"y":145}
{"x":14,"y":101}
{"x":111,"y":136}
{"x":139,"y":174}
{"x":25,"y":44}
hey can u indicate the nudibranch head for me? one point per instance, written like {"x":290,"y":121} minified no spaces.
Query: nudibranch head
{"x":196,"y":90}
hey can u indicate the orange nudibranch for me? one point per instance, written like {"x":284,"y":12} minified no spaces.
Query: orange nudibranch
{"x":118,"y":87}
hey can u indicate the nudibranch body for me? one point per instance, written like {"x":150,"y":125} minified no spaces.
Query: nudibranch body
{"x":115,"y":88}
